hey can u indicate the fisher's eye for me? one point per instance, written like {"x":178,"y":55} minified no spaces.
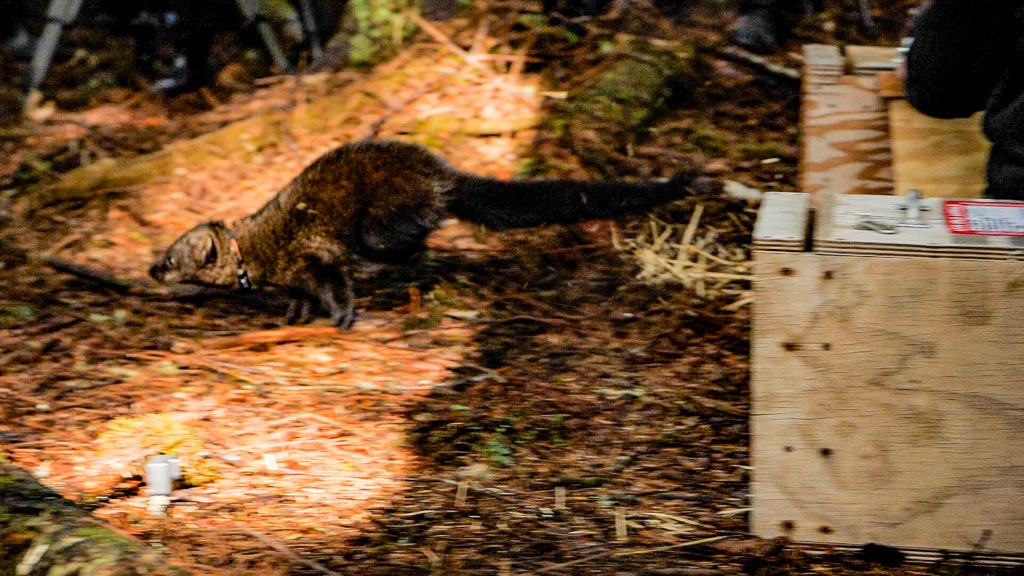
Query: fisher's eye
{"x":170,"y":262}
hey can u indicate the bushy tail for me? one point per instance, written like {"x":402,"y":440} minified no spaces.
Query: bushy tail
{"x":500,"y":204}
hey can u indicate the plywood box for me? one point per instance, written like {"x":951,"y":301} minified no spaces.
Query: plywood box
{"x":860,"y":136}
{"x":887,"y":379}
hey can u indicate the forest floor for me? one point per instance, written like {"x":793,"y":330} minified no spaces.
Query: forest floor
{"x":523,"y":403}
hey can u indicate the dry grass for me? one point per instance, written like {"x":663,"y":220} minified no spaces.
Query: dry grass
{"x":692,"y":256}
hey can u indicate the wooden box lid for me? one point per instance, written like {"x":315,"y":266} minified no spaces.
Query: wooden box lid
{"x":853,"y":223}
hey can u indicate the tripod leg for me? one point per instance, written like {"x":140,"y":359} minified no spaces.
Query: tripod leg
{"x":58,"y":15}
{"x":867,"y":21}
{"x":250,"y":9}
{"x":309,"y":23}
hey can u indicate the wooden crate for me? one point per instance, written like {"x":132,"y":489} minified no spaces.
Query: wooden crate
{"x":843,"y":125}
{"x":887,"y":380}
{"x":861,"y":137}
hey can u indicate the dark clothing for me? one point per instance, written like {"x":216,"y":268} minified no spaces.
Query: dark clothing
{"x":968,"y":55}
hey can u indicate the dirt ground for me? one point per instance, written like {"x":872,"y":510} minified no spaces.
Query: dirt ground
{"x":522,"y":403}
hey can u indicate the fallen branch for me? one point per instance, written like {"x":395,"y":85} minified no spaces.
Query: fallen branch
{"x":616,"y":103}
{"x":743,"y":57}
{"x":95,"y":275}
{"x":138,"y":286}
{"x":46,"y":534}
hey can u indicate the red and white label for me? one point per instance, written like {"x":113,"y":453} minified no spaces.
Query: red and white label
{"x":984,"y":218}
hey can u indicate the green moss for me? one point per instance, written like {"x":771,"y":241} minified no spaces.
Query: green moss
{"x":498,"y":451}
{"x":379,"y":28}
{"x":14,"y":315}
{"x":98,"y":534}
{"x":32,"y":170}
{"x":616,"y":106}
{"x":583,"y":481}
{"x":430,"y":317}
{"x":760,"y":150}
{"x":708,"y":141}
{"x":559,"y":126}
{"x":449,"y":295}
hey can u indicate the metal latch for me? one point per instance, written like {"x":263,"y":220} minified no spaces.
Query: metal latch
{"x":913,"y":217}
{"x":912,"y":211}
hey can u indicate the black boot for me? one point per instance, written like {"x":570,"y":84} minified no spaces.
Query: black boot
{"x":763,"y":24}
{"x":756,"y":31}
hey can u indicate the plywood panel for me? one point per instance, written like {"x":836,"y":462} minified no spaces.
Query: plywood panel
{"x":844,"y":123}
{"x":870,"y":59}
{"x":942,"y":158}
{"x":785,"y":226}
{"x":886,"y":400}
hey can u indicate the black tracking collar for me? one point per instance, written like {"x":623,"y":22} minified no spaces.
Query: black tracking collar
{"x":243,"y":276}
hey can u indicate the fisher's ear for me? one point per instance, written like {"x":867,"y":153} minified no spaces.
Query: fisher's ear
{"x":211,"y":253}
{"x":203,"y":247}
{"x":216,"y":231}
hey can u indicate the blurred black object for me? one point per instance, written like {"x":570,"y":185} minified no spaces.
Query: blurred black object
{"x":884,"y":555}
{"x":574,"y":9}
{"x":175,"y":41}
{"x":174,"y":49}
{"x":439,"y":9}
{"x":763,"y":24}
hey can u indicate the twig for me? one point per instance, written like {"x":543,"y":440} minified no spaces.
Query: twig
{"x":554,"y":567}
{"x":672,"y":547}
{"x":691,"y":228}
{"x":521,"y":318}
{"x":288,"y":552}
{"x":452,"y":47}
{"x":710,"y":256}
{"x":474,"y":323}
{"x":744,"y":301}
{"x":46,"y":326}
{"x":607,"y":553}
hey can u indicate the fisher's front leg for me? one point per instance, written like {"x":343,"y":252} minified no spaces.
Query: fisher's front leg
{"x":300,"y":308}
{"x":335,"y":294}
{"x":319,"y":278}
